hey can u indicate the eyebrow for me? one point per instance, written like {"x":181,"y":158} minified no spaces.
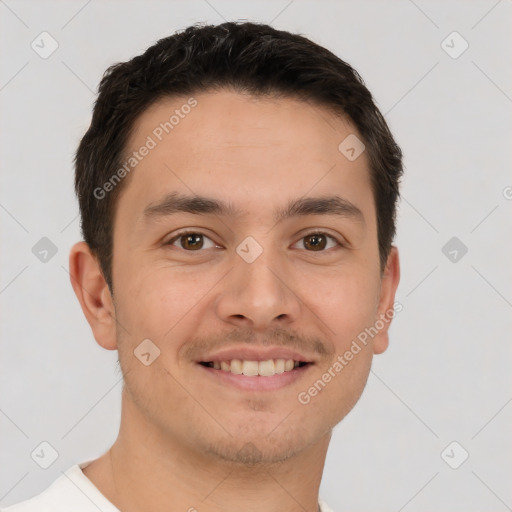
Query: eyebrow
{"x":176,"y":202}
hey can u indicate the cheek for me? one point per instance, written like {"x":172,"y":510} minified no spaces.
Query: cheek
{"x":160,"y":301}
{"x":346,"y":300}
{"x":336,"y":388}
{"x":347,"y":304}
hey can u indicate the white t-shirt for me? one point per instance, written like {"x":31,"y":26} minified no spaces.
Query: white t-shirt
{"x":74,"y":492}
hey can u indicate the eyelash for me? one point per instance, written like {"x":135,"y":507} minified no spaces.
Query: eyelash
{"x":317,"y":232}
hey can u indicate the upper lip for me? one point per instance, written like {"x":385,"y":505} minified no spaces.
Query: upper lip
{"x":255,"y":354}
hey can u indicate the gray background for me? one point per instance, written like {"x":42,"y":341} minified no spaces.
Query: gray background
{"x":446,"y":376}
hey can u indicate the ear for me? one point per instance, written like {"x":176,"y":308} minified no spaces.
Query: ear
{"x":93,"y":294}
{"x":385,"y":311}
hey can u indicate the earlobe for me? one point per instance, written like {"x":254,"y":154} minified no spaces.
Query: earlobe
{"x":385,"y":312}
{"x":93,"y":294}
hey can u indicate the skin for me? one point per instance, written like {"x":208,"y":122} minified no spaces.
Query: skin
{"x":187,"y":439}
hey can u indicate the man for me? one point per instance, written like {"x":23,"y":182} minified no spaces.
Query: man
{"x":237,"y":188}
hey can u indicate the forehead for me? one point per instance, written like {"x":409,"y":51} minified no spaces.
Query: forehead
{"x":231,"y":144}
{"x":227,"y":116}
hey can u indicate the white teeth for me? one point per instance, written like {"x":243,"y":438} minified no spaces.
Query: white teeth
{"x":250,"y":368}
{"x":266,"y":368}
{"x":279,"y":365}
{"x":253,"y":368}
{"x":236,"y":366}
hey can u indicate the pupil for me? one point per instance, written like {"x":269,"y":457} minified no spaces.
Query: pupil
{"x":316,"y":243}
{"x":192,"y":241}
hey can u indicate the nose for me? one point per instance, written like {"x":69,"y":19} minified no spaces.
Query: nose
{"x":260,"y":295}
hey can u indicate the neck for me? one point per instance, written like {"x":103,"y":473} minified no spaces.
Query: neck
{"x":148,"y":470}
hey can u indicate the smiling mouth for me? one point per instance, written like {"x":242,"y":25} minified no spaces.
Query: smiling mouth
{"x":255,"y":368}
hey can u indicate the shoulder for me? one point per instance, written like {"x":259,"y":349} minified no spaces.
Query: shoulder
{"x":42,"y":502}
{"x":70,"y":491}
{"x":53,"y":498}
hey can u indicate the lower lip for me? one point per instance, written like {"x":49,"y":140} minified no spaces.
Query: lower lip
{"x":257,"y":382}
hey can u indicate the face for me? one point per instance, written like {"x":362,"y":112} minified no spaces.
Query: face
{"x":278,"y":262}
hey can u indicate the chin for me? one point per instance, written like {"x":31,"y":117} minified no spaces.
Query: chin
{"x":265,"y":448}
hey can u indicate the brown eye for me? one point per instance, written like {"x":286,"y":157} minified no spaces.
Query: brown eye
{"x":191,"y":241}
{"x":317,"y":242}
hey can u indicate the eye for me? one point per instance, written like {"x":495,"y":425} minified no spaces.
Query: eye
{"x":191,"y":241}
{"x":317,"y":241}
